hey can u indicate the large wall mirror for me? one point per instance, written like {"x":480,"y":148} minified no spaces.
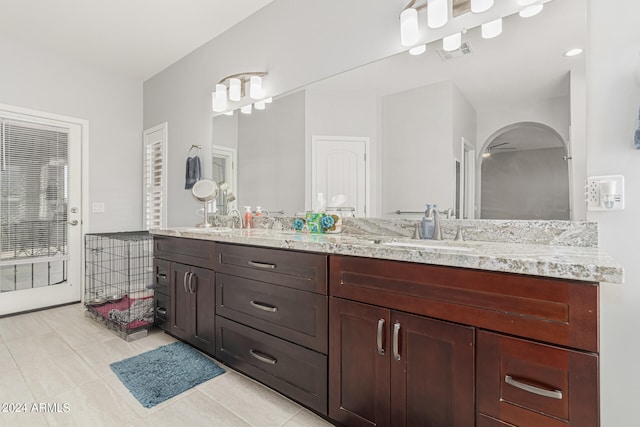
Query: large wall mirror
{"x":495,"y":130}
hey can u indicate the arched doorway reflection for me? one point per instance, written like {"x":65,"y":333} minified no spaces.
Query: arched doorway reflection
{"x":525,"y":174}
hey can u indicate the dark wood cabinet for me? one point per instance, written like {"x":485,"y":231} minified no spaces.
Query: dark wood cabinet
{"x":525,"y":346}
{"x":272,"y":319}
{"x":392,"y":368}
{"x":192,"y":306}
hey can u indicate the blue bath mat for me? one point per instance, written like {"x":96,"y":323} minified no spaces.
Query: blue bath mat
{"x":167,"y":371}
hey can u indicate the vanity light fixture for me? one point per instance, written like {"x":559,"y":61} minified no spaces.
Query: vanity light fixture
{"x":241,"y":84}
{"x":492,"y":29}
{"x":437,"y":13}
{"x":418,"y":50}
{"x":246,"y":109}
{"x":452,"y":42}
{"x":479,"y":6}
{"x":260,"y":105}
{"x":409,"y":31}
{"x":531,"y":10}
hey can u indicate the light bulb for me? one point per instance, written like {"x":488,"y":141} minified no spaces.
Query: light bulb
{"x":418,"y":50}
{"x":492,"y":29}
{"x":452,"y":42}
{"x":437,"y":13}
{"x":409,"y":31}
{"x":246,"y":109}
{"x":235,"y":89}
{"x":479,"y":6}
{"x":255,"y":87}
{"x":260,"y":105}
{"x":532,"y":10}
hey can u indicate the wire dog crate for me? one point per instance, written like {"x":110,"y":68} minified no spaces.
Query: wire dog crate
{"x":118,"y":281}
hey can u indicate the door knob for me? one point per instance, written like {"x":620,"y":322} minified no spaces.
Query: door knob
{"x":74,"y":222}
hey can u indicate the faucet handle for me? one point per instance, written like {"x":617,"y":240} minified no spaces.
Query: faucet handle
{"x":459,"y":236}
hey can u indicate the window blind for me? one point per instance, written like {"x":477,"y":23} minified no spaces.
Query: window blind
{"x":155,"y":180}
{"x":33,"y":190}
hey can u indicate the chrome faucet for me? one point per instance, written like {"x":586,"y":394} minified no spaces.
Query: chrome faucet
{"x":432,"y":212}
{"x":232,"y":214}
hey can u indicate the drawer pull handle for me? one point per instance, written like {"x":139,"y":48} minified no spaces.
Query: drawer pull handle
{"x":162,"y":311}
{"x":264,"y":307}
{"x":263,"y":357}
{"x":554,"y":394}
{"x":379,"y":337}
{"x":396,"y":332}
{"x":262,"y":265}
{"x":192,"y":288}
{"x":161,"y":276}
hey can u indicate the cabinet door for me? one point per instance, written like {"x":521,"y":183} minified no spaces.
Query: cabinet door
{"x":181,"y":309}
{"x":203,"y":330}
{"x":432,"y":375}
{"x":358,"y":366}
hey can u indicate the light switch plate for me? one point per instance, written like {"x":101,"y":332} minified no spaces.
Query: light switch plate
{"x":594,"y":198}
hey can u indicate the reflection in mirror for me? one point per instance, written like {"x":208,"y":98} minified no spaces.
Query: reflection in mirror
{"x":429,"y":119}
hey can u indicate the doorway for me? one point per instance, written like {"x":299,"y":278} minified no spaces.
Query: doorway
{"x":40,"y":209}
{"x":339,"y":166}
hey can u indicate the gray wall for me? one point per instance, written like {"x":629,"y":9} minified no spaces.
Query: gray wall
{"x":527,"y":184}
{"x":112,"y":104}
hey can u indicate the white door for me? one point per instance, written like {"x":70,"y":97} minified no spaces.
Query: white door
{"x":40,"y":210}
{"x":339,"y":166}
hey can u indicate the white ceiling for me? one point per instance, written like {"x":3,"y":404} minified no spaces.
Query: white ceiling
{"x":137,"y":38}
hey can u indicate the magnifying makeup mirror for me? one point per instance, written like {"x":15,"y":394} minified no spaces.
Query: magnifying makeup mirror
{"x":205,"y":191}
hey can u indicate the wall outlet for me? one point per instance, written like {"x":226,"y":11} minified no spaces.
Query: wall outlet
{"x":97,"y":207}
{"x":599,"y":201}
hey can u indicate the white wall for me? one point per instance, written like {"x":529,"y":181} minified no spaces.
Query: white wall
{"x":335,"y":35}
{"x":346,"y":113}
{"x":417,"y":147}
{"x":613,"y":99}
{"x":112,"y":104}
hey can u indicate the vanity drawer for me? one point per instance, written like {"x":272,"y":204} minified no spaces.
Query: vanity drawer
{"x":199,"y":253}
{"x":557,"y":311}
{"x":527,"y":383}
{"x":288,"y":313}
{"x":294,"y":371}
{"x":161,"y":275}
{"x":298,"y":270}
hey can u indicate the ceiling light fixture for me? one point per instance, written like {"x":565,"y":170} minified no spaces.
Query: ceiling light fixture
{"x":479,"y":6}
{"x":573,"y":52}
{"x":241,"y":84}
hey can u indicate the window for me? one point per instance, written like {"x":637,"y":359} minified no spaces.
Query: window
{"x":155,"y":177}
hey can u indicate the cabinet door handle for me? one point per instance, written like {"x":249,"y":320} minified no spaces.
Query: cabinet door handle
{"x":263,"y":357}
{"x":192,"y":288}
{"x":554,"y":394}
{"x":162,"y":311}
{"x":262,"y":265}
{"x":379,"y":337}
{"x":263,"y":306}
{"x":161,"y":276}
{"x":396,"y":332}
{"x":184,"y":281}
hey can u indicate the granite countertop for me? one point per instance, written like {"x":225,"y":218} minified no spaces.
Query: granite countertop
{"x":565,"y":262}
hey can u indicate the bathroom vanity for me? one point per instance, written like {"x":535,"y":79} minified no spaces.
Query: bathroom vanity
{"x":366,"y":332}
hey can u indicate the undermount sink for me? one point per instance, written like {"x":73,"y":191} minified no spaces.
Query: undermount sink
{"x":419,"y":245}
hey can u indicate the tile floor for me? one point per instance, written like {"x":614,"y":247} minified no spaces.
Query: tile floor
{"x":61,"y":358}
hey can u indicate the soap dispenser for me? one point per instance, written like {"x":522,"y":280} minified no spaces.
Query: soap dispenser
{"x":248,"y":217}
{"x":428,"y":226}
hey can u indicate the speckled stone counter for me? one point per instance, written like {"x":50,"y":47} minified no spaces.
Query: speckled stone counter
{"x":577,"y":262}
